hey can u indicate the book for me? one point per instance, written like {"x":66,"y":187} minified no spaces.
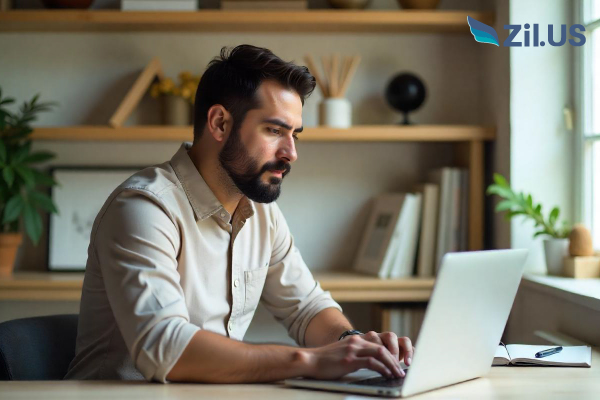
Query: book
{"x":524,"y":355}
{"x":427,"y":238}
{"x":464,"y":210}
{"x":159,"y":5}
{"x":443,"y":178}
{"x":375,"y":255}
{"x":404,"y":242}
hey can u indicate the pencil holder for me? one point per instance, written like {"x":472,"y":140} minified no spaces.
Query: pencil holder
{"x":335,"y":112}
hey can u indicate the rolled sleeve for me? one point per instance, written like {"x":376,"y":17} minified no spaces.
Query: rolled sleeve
{"x":291,"y":293}
{"x":136,"y":245}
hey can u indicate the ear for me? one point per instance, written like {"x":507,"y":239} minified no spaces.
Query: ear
{"x":218,"y":122}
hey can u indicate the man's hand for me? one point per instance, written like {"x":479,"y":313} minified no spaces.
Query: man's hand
{"x":399,"y":347}
{"x":350,"y":354}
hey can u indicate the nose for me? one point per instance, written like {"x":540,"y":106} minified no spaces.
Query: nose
{"x":287,"y":150}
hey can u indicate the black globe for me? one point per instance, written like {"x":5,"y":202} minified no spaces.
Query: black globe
{"x":405,"y":92}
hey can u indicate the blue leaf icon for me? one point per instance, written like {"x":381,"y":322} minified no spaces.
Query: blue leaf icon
{"x":482,"y":33}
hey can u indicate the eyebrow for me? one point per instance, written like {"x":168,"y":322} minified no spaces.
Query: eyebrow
{"x":279,"y":122}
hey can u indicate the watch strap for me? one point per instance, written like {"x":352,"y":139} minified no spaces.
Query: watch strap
{"x":350,"y":332}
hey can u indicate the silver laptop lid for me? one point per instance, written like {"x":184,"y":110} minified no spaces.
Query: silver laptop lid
{"x":465,"y":318}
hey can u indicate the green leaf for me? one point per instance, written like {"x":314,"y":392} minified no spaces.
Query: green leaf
{"x":43,"y":179}
{"x":500,"y":191}
{"x":529,"y":201}
{"x":39,"y":156}
{"x":538,"y":233}
{"x":2,"y":152}
{"x":9,"y":176}
{"x":13,"y":209}
{"x":553,"y":216}
{"x":505,"y":205}
{"x":500,"y":180}
{"x":21,"y":152}
{"x":7,"y":101}
{"x":27,"y":175}
{"x":43,"y":201}
{"x":33,"y":223}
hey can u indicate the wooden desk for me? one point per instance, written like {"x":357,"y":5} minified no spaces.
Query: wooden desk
{"x":344,"y":287}
{"x":502,"y":383}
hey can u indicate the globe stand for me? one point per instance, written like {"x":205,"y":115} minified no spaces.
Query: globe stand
{"x":405,"y":120}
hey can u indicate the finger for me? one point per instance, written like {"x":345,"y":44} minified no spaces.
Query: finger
{"x":383,"y":355}
{"x":390,"y":341}
{"x":372,"y":337}
{"x":406,"y":349}
{"x":374,"y":365}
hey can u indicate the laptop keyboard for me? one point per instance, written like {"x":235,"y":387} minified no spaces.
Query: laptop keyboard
{"x":380,"y":381}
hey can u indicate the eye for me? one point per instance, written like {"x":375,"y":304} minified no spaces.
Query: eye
{"x":274,"y":130}
{"x":295,"y":135}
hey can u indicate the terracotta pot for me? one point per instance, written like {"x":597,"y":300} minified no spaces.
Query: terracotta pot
{"x":9,"y":244}
{"x":419,"y":4}
{"x":67,"y":3}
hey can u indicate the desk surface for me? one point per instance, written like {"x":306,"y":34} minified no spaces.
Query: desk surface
{"x":501,"y":383}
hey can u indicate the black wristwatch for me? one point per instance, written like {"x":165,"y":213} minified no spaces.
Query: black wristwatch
{"x":348,"y":333}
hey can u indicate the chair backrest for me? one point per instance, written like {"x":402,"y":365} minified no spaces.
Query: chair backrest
{"x":38,"y":348}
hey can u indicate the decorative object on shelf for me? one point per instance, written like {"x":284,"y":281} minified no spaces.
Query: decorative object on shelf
{"x":349,"y":4}
{"x":582,"y":267}
{"x":19,"y":199}
{"x":556,"y":248}
{"x":580,"y":242}
{"x":80,"y":196}
{"x":159,"y":5}
{"x":178,"y":99}
{"x":67,"y":3}
{"x":334,"y":110}
{"x":405,"y":92}
{"x":149,"y":74}
{"x":6,"y":5}
{"x":264,"y":4}
{"x":419,"y":4}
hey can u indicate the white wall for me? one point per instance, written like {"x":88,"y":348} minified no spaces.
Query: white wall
{"x":541,"y":147}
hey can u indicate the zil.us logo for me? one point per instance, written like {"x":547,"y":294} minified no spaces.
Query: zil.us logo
{"x":486,"y":34}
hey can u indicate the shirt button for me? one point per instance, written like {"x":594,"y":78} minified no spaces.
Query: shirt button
{"x":230,"y":326}
{"x":236,"y":283}
{"x":222,"y":215}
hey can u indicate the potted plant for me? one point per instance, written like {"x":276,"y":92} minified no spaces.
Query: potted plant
{"x":178,"y":99}
{"x":515,"y":204}
{"x":19,"y":199}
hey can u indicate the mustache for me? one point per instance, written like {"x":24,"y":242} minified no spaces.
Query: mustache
{"x":277,"y":166}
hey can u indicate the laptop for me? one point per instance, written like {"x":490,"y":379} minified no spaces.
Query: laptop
{"x":464,"y":321}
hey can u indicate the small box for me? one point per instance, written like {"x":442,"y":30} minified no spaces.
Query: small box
{"x":582,"y":267}
{"x":6,"y":5}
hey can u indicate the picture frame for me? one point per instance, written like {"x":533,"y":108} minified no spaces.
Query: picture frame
{"x":81,"y":193}
{"x":375,"y":253}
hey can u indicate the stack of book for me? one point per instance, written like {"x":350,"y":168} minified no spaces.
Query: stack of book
{"x":264,"y":4}
{"x":159,"y":5}
{"x":408,"y":233}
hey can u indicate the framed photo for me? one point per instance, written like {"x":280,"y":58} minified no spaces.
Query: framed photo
{"x":375,"y":253}
{"x":79,"y":198}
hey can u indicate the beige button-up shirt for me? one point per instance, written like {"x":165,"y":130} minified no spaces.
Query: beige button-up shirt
{"x":166,"y":259}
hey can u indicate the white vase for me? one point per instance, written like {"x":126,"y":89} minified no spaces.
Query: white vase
{"x":335,"y":112}
{"x":555,"y":251}
{"x":177,"y":111}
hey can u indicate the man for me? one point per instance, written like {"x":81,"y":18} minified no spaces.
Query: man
{"x":182,"y":252}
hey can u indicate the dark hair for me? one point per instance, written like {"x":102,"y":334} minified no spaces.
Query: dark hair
{"x":232,"y":80}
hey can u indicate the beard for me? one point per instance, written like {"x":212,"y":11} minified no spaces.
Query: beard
{"x":246,"y":173}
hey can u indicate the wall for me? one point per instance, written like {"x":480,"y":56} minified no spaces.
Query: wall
{"x":541,"y":148}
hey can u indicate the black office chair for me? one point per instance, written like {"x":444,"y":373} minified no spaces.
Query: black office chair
{"x":38,"y":348}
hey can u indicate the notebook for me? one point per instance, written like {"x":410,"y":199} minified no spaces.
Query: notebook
{"x":522,"y":354}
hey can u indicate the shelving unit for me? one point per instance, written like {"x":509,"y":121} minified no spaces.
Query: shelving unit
{"x":344,"y":287}
{"x":360,"y":133}
{"x":314,"y":20}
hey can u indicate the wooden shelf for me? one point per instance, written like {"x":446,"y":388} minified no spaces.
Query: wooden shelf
{"x":316,"y":20}
{"x":360,"y":133}
{"x":344,"y":287}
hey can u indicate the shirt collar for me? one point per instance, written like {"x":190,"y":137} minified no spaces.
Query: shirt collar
{"x":202,"y":199}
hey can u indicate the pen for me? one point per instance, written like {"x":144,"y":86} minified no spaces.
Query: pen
{"x":549,"y":352}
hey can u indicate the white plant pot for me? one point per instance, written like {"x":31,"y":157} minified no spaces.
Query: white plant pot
{"x":335,"y":112}
{"x":555,"y":251}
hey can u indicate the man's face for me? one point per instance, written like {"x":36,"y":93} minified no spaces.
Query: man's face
{"x":257,"y":155}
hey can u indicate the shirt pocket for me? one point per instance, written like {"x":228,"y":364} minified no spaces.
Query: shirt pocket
{"x":254,"y":281}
